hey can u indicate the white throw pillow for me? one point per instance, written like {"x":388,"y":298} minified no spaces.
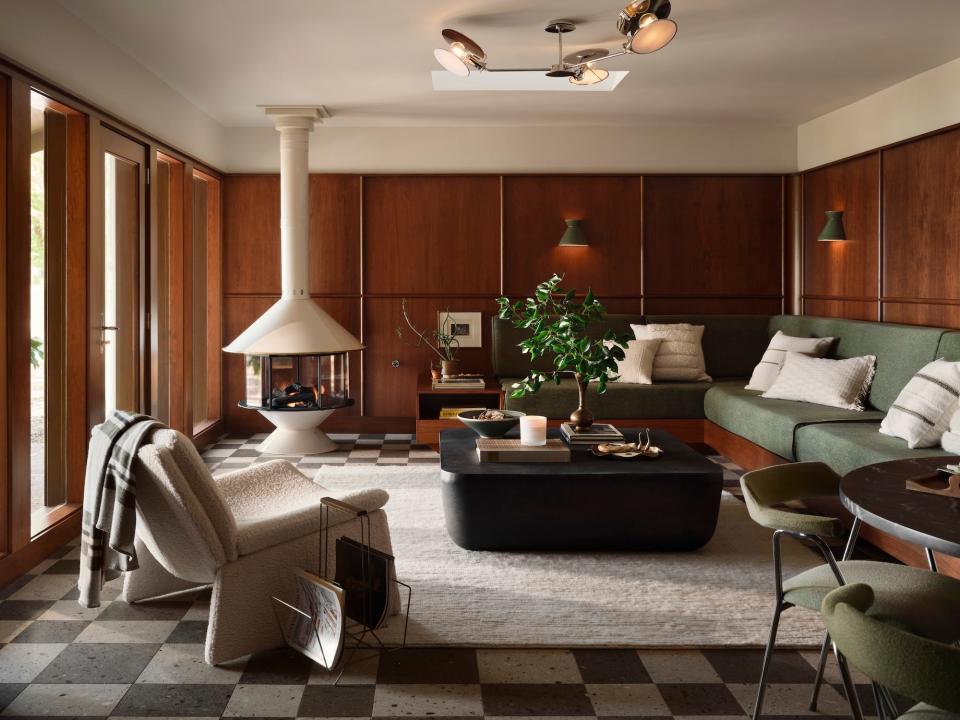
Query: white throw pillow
{"x":838,"y":383}
{"x":680,"y":356}
{"x":922,"y":411}
{"x":769,"y":366}
{"x":637,"y":364}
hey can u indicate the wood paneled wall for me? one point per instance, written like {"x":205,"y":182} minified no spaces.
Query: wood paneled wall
{"x":901,"y":259}
{"x":658,"y":244}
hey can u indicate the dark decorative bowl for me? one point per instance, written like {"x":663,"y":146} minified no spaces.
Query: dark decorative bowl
{"x":490,"y":428}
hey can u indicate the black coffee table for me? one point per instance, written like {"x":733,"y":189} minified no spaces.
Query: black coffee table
{"x":590,"y":503}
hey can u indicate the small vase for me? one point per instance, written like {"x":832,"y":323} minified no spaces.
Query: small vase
{"x":435,"y":374}
{"x":581,"y":417}
{"x":450,"y":367}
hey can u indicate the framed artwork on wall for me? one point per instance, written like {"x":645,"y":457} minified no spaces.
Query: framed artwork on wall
{"x":465,"y":326}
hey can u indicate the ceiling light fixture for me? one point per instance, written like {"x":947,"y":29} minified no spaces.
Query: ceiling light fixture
{"x":462,"y":56}
{"x":645,"y":23}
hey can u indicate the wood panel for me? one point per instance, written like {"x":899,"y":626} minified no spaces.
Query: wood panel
{"x":238,"y":314}
{"x":534,"y":211}
{"x":252,"y":234}
{"x":4,"y":311}
{"x":77,"y":216}
{"x":847,"y":269}
{"x":390,"y":391}
{"x":850,"y":309}
{"x":17,"y":320}
{"x":437,"y":235}
{"x":922,"y":313}
{"x":712,"y":236}
{"x":921,"y":219}
{"x":713,"y":306}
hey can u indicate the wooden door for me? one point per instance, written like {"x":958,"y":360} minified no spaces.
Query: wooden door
{"x":117,"y":310}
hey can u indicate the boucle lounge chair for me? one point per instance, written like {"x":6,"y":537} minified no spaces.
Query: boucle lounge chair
{"x":244,"y":533}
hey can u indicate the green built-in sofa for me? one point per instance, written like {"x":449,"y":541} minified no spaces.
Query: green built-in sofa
{"x":752,"y":430}
{"x":732,"y":346}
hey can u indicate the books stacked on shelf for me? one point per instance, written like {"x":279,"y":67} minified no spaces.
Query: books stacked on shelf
{"x":592,"y":435}
{"x":450,"y":413}
{"x":464,"y":381}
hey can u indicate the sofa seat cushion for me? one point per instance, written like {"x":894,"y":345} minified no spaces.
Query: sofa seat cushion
{"x":666,"y":400}
{"x":770,"y":423}
{"x":851,"y":445}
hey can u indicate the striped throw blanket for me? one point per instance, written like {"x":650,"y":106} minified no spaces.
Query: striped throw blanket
{"x":109,"y":502}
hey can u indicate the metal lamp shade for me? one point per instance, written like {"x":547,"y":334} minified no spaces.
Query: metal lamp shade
{"x":574,"y":235}
{"x":833,"y":230}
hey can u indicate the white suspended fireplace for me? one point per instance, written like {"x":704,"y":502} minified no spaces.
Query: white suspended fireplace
{"x":296,"y":356}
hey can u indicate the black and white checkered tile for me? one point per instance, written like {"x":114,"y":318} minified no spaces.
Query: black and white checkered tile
{"x":233,"y":453}
{"x":118,"y":660}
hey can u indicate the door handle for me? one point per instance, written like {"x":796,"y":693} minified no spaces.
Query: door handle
{"x":103,"y":335}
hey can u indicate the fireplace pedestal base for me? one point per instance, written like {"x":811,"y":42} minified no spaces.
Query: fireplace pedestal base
{"x":297,"y":433}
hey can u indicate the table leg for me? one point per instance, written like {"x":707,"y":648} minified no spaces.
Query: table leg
{"x":931,"y":560}
{"x":852,"y":539}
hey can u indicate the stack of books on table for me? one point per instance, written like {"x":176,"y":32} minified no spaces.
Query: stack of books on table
{"x":592,"y":435}
{"x":465,"y":381}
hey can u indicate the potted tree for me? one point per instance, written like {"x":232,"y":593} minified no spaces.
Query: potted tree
{"x":440,"y":341}
{"x":557,"y":323}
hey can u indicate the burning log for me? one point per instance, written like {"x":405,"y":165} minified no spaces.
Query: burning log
{"x":294,"y":396}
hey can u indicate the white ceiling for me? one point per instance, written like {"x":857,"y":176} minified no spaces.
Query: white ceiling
{"x":733,"y":61}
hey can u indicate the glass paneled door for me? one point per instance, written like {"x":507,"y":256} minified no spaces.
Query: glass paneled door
{"x":118,"y":318}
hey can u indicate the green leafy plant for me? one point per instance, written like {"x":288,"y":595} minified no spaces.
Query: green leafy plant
{"x":36,"y":351}
{"x":441,"y":342}
{"x":557,"y":322}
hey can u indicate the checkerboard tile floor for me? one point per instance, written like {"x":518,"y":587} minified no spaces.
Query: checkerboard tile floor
{"x":234,"y":453}
{"x":118,"y":660}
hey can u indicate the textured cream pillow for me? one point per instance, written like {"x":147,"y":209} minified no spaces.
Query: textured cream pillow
{"x":680,"y":356}
{"x":769,"y":366}
{"x":922,"y":411}
{"x":838,"y":383}
{"x":637,"y":364}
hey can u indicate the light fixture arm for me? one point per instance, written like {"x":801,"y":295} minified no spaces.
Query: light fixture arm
{"x":599,"y":60}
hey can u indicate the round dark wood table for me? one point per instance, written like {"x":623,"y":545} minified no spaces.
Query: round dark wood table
{"x":877,"y":495}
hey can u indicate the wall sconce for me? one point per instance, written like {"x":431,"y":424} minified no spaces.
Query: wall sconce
{"x":573,"y":235}
{"x":833,"y":230}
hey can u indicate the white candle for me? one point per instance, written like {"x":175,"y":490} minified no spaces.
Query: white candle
{"x":533,"y":430}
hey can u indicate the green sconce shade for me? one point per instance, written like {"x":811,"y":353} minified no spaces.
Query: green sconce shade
{"x":573,"y":235}
{"x":833,"y":230}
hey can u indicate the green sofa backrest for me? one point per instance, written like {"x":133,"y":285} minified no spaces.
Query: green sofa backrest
{"x":949,"y":348}
{"x":732,"y":344}
{"x":901,"y":350}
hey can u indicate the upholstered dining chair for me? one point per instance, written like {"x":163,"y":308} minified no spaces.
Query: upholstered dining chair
{"x":243,"y":533}
{"x":918,"y":600}
{"x":924,"y":670}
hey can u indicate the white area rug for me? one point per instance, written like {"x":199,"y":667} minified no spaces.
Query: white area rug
{"x":719,"y":596}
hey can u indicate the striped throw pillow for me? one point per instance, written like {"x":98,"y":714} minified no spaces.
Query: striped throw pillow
{"x":769,"y":366}
{"x":922,"y":410}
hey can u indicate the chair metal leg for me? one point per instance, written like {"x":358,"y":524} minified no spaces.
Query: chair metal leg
{"x":855,"y":712}
{"x":821,"y":666}
{"x":767,"y":657}
{"x":879,"y":703}
{"x":889,"y":702}
{"x":931,"y":559}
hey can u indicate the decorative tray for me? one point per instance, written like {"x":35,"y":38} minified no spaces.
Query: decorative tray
{"x":628,"y":451}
